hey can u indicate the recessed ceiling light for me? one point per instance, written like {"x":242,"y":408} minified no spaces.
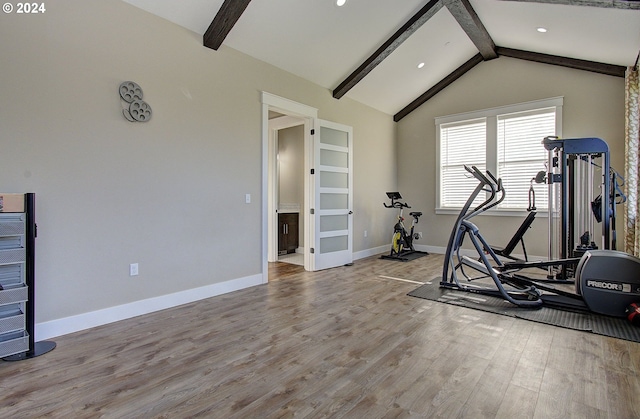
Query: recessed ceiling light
{"x":541,"y":30}
{"x":341,"y":2}
{"x":420,"y":65}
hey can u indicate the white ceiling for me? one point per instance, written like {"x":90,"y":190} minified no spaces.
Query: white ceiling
{"x":324,"y":43}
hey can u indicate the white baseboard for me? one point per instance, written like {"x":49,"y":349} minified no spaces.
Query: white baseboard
{"x":59,"y":327}
{"x":370,"y":252}
{"x":430,"y":249}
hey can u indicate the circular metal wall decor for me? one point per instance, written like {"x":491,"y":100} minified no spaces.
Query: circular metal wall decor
{"x":137,"y":109}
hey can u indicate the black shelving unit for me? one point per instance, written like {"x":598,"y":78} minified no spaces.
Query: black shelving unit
{"x":18,"y":233}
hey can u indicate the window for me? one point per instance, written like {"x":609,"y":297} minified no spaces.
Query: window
{"x":506,"y":141}
{"x":521,"y":156}
{"x":461,"y":143}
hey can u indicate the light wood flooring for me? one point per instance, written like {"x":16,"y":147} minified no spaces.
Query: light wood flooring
{"x":341,"y":343}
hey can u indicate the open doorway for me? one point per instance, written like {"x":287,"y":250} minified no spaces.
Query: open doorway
{"x":278,"y":116}
{"x":288,"y":193}
{"x":326,"y":210}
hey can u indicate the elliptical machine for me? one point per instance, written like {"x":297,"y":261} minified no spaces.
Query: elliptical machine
{"x":606,"y":281}
{"x":402,"y":240}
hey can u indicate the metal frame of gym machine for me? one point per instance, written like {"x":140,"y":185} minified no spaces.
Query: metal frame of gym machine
{"x":570,"y":161}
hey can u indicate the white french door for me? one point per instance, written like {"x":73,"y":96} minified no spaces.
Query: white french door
{"x":332,"y":207}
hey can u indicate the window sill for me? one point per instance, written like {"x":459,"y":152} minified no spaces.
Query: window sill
{"x":493,"y":212}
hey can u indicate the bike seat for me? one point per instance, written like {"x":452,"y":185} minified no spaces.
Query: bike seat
{"x":415,"y":214}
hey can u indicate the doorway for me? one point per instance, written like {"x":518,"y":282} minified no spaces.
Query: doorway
{"x":288,"y":114}
{"x":288,"y":193}
{"x":326,"y":210}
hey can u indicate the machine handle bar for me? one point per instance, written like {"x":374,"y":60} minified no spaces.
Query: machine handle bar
{"x":497,"y":183}
{"x":493,"y":186}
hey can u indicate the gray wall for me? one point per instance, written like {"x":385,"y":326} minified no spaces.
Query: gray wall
{"x":170,"y":193}
{"x":593,"y":107}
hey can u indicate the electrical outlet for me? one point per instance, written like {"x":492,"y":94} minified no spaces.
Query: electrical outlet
{"x":419,"y":235}
{"x":133,"y":269}
{"x":365,"y":233}
{"x":247,"y":198}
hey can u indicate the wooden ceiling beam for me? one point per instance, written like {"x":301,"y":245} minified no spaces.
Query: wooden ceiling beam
{"x":225,"y":19}
{"x":388,"y":47}
{"x":469,"y":21}
{"x":455,"y":75}
{"x":593,"y":66}
{"x":611,"y":4}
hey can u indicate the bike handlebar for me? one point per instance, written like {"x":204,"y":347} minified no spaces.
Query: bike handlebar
{"x":396,"y":205}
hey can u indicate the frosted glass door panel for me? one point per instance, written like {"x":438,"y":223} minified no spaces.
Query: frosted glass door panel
{"x":334,"y":180}
{"x":334,"y":158}
{"x":334,"y":137}
{"x":334,"y":244}
{"x":334,"y":222}
{"x":334,"y":201}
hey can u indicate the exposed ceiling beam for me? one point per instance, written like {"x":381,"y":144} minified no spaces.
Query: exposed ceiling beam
{"x":455,"y":75}
{"x":469,"y":21}
{"x":613,"y":4}
{"x":388,"y":47}
{"x":227,"y":16}
{"x":602,"y":68}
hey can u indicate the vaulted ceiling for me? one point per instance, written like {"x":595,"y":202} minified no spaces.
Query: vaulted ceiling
{"x":369,"y":50}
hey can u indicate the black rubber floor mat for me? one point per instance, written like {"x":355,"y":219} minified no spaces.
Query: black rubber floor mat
{"x":586,"y":322}
{"x":566,"y":319}
{"x":618,"y":328}
{"x":406,"y":258}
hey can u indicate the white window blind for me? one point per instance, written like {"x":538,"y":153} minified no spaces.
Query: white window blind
{"x":461,"y":143}
{"x":506,"y":141}
{"x":521,"y":155}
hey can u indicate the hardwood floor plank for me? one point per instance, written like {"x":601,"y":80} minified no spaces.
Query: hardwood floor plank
{"x":621,"y":356}
{"x":533,"y":361}
{"x":339,"y":343}
{"x":453,"y":392}
{"x":517,"y":403}
{"x":622,"y":392}
{"x":487,"y":396}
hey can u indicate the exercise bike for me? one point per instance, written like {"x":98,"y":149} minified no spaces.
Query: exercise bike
{"x":402,"y":240}
{"x":606,"y":281}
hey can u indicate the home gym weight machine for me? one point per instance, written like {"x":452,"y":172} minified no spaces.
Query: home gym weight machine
{"x":402,"y":240}
{"x":570,"y":177}
{"x":606,"y":281}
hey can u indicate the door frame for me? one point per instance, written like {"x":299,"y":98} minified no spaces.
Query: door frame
{"x":271,"y":102}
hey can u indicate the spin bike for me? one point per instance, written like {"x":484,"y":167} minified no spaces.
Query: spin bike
{"x":606,"y":281}
{"x":402,"y":240}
